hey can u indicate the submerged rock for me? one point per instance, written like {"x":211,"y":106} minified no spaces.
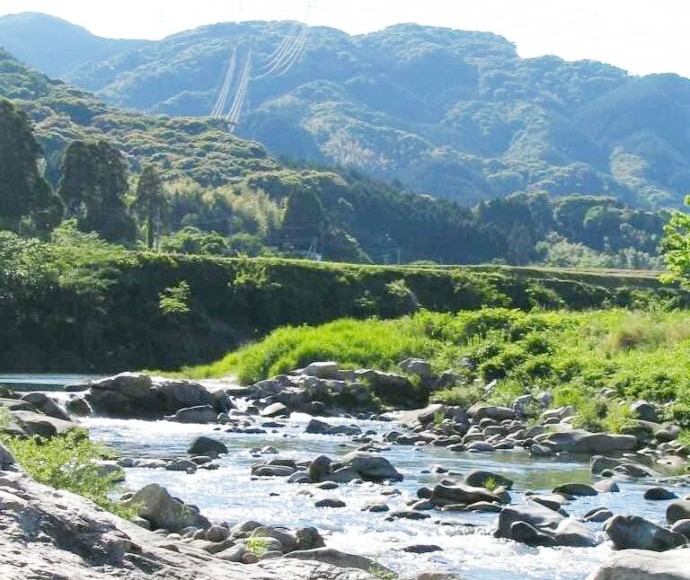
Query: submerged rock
{"x":370,"y":467}
{"x":634,"y":532}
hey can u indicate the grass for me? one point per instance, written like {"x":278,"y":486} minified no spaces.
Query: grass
{"x":69,"y":462}
{"x":578,"y":356}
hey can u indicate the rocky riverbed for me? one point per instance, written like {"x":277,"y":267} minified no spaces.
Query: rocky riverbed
{"x":479,"y":492}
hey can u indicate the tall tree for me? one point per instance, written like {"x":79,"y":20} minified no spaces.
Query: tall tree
{"x":151,"y":204}
{"x":23,"y":191}
{"x":93,"y":186}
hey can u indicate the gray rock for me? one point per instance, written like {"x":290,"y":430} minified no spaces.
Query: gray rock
{"x":644,"y":411}
{"x":576,"y":489}
{"x":275,"y":410}
{"x":562,"y":530}
{"x":480,"y":477}
{"x":137,"y":395}
{"x":376,"y":508}
{"x":272,"y":470}
{"x":322,"y":370}
{"x":317,"y":427}
{"x":659,"y":494}
{"x":634,"y":532}
{"x":480,"y":411}
{"x":682,"y":527}
{"x":202,"y":414}
{"x":461,"y":494}
{"x":580,"y":441}
{"x":339,"y":559}
{"x":42,"y":425}
{"x":164,"y":511}
{"x":678,"y":510}
{"x":46,"y":405}
{"x":330,"y":502}
{"x":320,"y":469}
{"x":417,"y":367}
{"x":79,"y":407}
{"x":207,"y":446}
{"x":598,"y":515}
{"x":606,"y":486}
{"x":422,"y":548}
{"x":370,"y":467}
{"x":645,"y":565}
{"x":6,"y":457}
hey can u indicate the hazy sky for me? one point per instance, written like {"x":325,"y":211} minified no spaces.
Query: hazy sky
{"x":642,"y":36}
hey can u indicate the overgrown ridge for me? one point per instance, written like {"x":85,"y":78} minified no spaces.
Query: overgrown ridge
{"x":82,"y":304}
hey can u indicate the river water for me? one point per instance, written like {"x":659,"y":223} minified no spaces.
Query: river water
{"x":468,"y":547}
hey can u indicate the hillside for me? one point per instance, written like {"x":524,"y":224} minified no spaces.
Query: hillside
{"x":447,"y":112}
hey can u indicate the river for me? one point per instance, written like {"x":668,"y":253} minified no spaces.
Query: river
{"x":468,"y":547}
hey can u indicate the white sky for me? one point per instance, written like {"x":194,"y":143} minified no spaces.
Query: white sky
{"x":642,"y":36}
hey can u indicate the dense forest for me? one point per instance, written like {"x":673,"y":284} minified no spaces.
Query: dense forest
{"x":188,"y":186}
{"x":452,"y":113}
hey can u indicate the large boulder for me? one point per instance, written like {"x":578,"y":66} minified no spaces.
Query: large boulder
{"x":316,"y":427}
{"x":42,"y":425}
{"x":201,"y":414}
{"x":480,"y":478}
{"x":370,"y":467}
{"x":634,"y":532}
{"x":645,"y":565}
{"x":156,"y":505}
{"x":562,"y":530}
{"x":393,"y":389}
{"x":581,"y":441}
{"x":275,"y":410}
{"x":460,"y":494}
{"x":417,"y":367}
{"x":337,"y":558}
{"x":137,"y":395}
{"x":6,"y":457}
{"x":480,"y":411}
{"x":206,"y":446}
{"x":46,"y":405}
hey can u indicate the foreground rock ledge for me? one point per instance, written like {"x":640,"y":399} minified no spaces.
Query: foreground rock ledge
{"x":45,"y":533}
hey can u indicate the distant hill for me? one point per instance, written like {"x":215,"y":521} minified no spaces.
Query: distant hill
{"x":447,"y":112}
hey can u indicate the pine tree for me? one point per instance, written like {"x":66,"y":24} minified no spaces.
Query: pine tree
{"x":150,"y":204}
{"x":93,"y":186}
{"x":24,"y":194}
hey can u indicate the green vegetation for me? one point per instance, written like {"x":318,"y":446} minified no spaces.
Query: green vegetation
{"x":68,"y":462}
{"x":446,"y":112}
{"x":591,"y":360}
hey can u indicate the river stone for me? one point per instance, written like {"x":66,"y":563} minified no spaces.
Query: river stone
{"x":202,"y":414}
{"x":422,"y":548}
{"x":46,"y":405}
{"x":322,"y":370}
{"x":182,"y":465}
{"x":576,"y":489}
{"x":112,"y":470}
{"x":527,"y":534}
{"x":299,"y":477}
{"x":217,"y":534}
{"x":553,"y":502}
{"x":606,"y":486}
{"x":337,"y":558}
{"x":272,"y":470}
{"x":417,"y":367}
{"x":659,"y":494}
{"x":6,"y":457}
{"x":155,"y":504}
{"x":330,"y":502}
{"x":480,"y":447}
{"x":634,"y":532}
{"x":598,"y":515}
{"x":137,"y":395}
{"x":79,"y":407}
{"x":678,"y":510}
{"x":42,"y":425}
{"x":461,"y":494}
{"x":581,"y":441}
{"x":244,"y":529}
{"x":370,"y":467}
{"x":287,"y":539}
{"x":644,"y":411}
{"x":480,"y":411}
{"x":479,"y":478}
{"x":599,"y":463}
{"x":275,"y":410}
{"x":682,"y":527}
{"x":207,"y":446}
{"x":645,"y":565}
{"x":564,"y":531}
{"x":376,"y":508}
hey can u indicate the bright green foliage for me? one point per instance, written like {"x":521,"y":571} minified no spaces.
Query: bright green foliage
{"x":676,"y":248}
{"x":93,"y":185}
{"x":68,"y":462}
{"x":175,"y":299}
{"x":24,"y":194}
{"x":151,"y":205}
{"x":574,"y":355}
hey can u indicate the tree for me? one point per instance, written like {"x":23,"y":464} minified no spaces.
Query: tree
{"x":150,"y":204}
{"x":675,"y":247}
{"x":23,"y":191}
{"x":93,"y":185}
{"x":304,"y":219}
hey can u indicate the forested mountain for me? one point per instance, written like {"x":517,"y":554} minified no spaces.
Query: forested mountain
{"x":225,"y":195}
{"x":451,"y":113}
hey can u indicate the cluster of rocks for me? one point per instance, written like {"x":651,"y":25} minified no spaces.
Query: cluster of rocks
{"x":48,"y":533}
{"x":34,"y":414}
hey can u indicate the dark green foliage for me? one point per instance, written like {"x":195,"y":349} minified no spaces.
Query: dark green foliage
{"x":151,"y":205}
{"x":24,"y":194}
{"x":93,"y":185}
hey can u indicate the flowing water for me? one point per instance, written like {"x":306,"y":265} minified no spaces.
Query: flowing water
{"x":468,"y":547}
